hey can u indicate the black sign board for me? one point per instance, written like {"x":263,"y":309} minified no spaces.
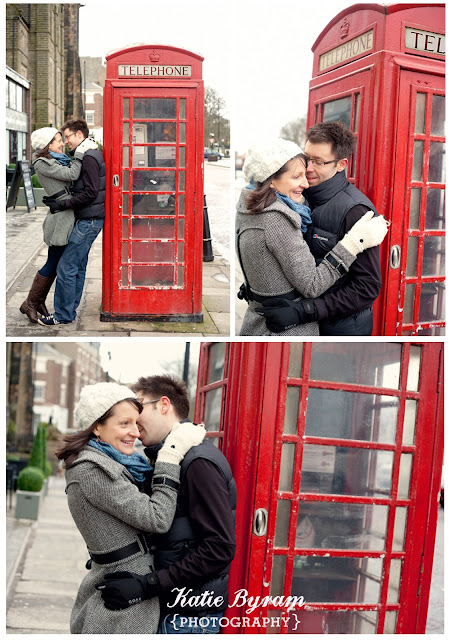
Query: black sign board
{"x":22,"y":172}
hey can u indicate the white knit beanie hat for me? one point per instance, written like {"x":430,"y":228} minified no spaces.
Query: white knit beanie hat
{"x":42,"y":137}
{"x":96,"y":399}
{"x":264,"y":160}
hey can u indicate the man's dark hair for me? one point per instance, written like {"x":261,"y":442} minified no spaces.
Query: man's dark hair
{"x":166,"y":385}
{"x":76,"y":125}
{"x":342,"y":139}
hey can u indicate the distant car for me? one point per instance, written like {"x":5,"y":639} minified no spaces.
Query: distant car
{"x":212,"y":152}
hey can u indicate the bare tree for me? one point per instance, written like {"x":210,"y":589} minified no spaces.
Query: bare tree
{"x":216,"y":124}
{"x":295,"y":131}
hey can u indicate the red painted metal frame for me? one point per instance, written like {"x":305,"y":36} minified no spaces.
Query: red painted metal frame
{"x":153,"y":302}
{"x":381,"y":121}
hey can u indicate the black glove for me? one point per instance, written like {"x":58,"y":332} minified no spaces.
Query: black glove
{"x":57,"y":205}
{"x":122,"y":589}
{"x":281,"y":314}
{"x":242,"y":293}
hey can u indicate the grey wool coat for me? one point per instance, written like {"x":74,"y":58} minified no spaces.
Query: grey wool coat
{"x":110,"y":511}
{"x":277,"y":260}
{"x":54,"y":177}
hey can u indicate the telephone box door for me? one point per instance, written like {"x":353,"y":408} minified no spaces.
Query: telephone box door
{"x":416,"y":287}
{"x":154,"y":186}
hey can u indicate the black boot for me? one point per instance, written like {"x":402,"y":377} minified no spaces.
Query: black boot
{"x":30,"y":305}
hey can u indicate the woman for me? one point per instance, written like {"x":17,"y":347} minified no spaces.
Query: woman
{"x":55,"y":172}
{"x":270,"y":222}
{"x":104,"y":480}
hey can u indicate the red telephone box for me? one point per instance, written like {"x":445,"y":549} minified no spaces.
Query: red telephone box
{"x":153,"y":144}
{"x":337,"y":453}
{"x":381,"y":70}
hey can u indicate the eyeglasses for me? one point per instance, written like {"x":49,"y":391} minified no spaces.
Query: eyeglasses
{"x":67,"y":137}
{"x":320,"y":163}
{"x":143,"y":404}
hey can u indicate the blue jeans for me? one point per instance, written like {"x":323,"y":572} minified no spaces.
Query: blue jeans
{"x":180,"y":623}
{"x":71,"y":271}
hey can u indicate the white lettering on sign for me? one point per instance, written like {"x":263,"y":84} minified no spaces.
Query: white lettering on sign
{"x":425,"y":41}
{"x":158,"y":70}
{"x":352,"y":49}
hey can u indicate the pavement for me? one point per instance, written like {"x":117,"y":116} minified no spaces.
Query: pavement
{"x":46,"y":563}
{"x":26,"y":254}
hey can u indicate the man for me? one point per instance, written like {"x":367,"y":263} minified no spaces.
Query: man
{"x":88,"y":203}
{"x":194,"y":556}
{"x":346,"y":308}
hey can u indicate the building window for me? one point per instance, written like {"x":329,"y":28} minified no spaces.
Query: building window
{"x":90,"y":117}
{"x":39,"y":391}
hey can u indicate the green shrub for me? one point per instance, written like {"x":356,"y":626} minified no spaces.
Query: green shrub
{"x":48,"y":468}
{"x":30,"y":479}
{"x":35,"y":182}
{"x":36,"y":456}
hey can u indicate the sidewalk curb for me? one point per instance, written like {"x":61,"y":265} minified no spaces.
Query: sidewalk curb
{"x":24,"y":267}
{"x":18,"y":564}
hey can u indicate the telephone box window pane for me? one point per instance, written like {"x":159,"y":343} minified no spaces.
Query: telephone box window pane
{"x":182,"y":108}
{"x":125,"y":228}
{"x":437,"y":162}
{"x":154,"y":108}
{"x":181,"y":176}
{"x":125,"y":251}
{"x":410,"y":419}
{"x":154,"y":132}
{"x":180,"y":276}
{"x":346,"y":471}
{"x":405,"y":470}
{"x":438,"y":116}
{"x":435,"y":209}
{"x":153,"y":252}
{"x":153,"y":180}
{"x":420,"y":112}
{"x":415,"y":201}
{"x":125,"y":184}
{"x":153,"y":204}
{"x":356,"y":112}
{"x":125,"y":205}
{"x":181,"y":228}
{"x":181,"y":252}
{"x":126,"y":108}
{"x":126,"y":133}
{"x":148,"y":275}
{"x":432,"y":302}
{"x":282,"y":523}
{"x":125,"y":156}
{"x":295,"y":363}
{"x":394,"y":581}
{"x":287,"y":466}
{"x":409,"y":298}
{"x":278,"y":575}
{"x":391,"y":618}
{"x":291,"y":411}
{"x":434,"y":257}
{"x":413,"y":374}
{"x":338,"y":110}
{"x":182,"y":133}
{"x":154,"y":156}
{"x":216,"y":360}
{"x":399,"y":530}
{"x":412,"y":254}
{"x":181,"y":205}
{"x":212,"y":413}
{"x":323,"y":579}
{"x":356,"y":416}
{"x":369,"y":364}
{"x":329,"y":622}
{"x":433,"y":331}
{"x":182,"y":157}
{"x":124,"y":276}
{"x":150,"y":228}
{"x":417,"y":166}
{"x":324,"y":525}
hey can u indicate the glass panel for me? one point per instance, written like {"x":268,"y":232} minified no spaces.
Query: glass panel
{"x":435,"y":209}
{"x":126,"y":107}
{"x":328,"y":622}
{"x":413,"y":374}
{"x":125,"y":228}
{"x":181,"y":176}
{"x":125,"y":246}
{"x":148,"y":275}
{"x":182,"y":108}
{"x":182,"y":157}
{"x":212,"y":412}
{"x":214,"y":441}
{"x":432,"y":302}
{"x":153,"y":252}
{"x":125,"y":156}
{"x":338,"y":110}
{"x":125,"y":181}
{"x":391,"y":618}
{"x":181,"y":252}
{"x":410,"y":419}
{"x":153,"y":180}
{"x":154,"y":156}
{"x":405,"y":469}
{"x":433,"y":331}
{"x":415,"y":201}
{"x":125,"y":205}
{"x":181,"y":205}
{"x":295,"y":362}
{"x":434,"y":256}
{"x":357,"y":416}
{"x":417,"y":166}
{"x":154,"y":132}
{"x":153,"y":204}
{"x":364,"y":363}
{"x":438,"y":116}
{"x":278,"y":575}
{"x":287,"y":466}
{"x":291,"y":410}
{"x":154,"y":108}
{"x":420,"y":112}
{"x":282,"y":523}
{"x":126,"y":133}
{"x":143,"y":228}
{"x":180,"y":276}
{"x":124,"y":276}
{"x":394,"y":581}
{"x":181,"y":230}
{"x":399,"y":530}
{"x":275,"y":621}
{"x":324,"y":525}
{"x":409,"y":299}
{"x":337,"y":579}
{"x":356,"y":112}
{"x":437,"y":162}
{"x":345,"y":471}
{"x":412,"y":255}
{"x":182,"y":133}
{"x":216,"y":359}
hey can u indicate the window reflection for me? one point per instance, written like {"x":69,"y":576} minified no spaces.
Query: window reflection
{"x":216,"y":359}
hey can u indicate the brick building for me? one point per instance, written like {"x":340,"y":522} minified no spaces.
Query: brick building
{"x":94,"y":74}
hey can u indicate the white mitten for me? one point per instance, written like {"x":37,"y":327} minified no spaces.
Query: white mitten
{"x":85,"y":146}
{"x":367,"y":232}
{"x":180,"y":440}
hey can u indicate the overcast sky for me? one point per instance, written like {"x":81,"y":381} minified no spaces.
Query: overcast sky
{"x":257,"y":52}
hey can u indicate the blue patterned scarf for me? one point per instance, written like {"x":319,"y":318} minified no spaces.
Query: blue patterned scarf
{"x":135,"y":463}
{"x":302,"y":209}
{"x":61,"y":157}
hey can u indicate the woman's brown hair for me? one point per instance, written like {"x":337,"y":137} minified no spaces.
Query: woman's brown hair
{"x":76,"y":442}
{"x":263,"y":195}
